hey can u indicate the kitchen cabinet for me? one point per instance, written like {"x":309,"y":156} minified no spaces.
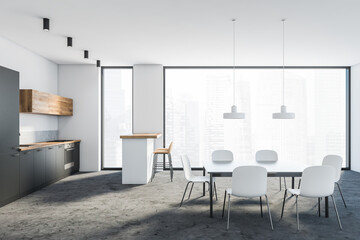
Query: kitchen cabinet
{"x":59,"y":156}
{"x":9,"y":110}
{"x":39,"y":167}
{"x":33,"y":101}
{"x":26,"y":172}
{"x":9,"y":177}
{"x":76,"y":158}
{"x":50,"y":164}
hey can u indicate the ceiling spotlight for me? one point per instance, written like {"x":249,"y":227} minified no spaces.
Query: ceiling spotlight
{"x":86,"y":54}
{"x":98,"y":64}
{"x":46,"y":24}
{"x":69,"y":41}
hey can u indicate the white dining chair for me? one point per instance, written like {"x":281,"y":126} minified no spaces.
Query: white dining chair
{"x":222,"y":156}
{"x":192,"y":178}
{"x":248,"y":182}
{"x":336,"y":162}
{"x":317,"y":182}
{"x":268,"y":156}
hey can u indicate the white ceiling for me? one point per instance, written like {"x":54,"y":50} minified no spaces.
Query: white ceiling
{"x":187,"y":32}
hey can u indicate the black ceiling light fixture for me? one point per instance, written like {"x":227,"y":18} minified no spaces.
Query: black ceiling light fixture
{"x":46,"y":24}
{"x":69,"y":42}
{"x":98,"y":63}
{"x":86,"y":54}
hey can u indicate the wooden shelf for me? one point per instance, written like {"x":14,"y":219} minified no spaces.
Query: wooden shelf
{"x":33,"y":101}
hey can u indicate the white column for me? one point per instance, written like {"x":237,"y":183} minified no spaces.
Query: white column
{"x":355,"y":117}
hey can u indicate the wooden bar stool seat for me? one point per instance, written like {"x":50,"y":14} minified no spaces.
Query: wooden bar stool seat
{"x":157,"y":165}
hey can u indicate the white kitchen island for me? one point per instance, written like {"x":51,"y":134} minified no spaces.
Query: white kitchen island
{"x":137,"y":152}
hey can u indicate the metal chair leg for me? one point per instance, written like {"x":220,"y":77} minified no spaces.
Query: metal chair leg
{"x":228,"y":221}
{"x":337,"y":214}
{"x":184,"y":194}
{"x":268,"y":207}
{"x":319,"y":207}
{"x":215,"y":191}
{"x":282,"y":211}
{"x":299,"y":183}
{"x":297,"y":213}
{"x":341,"y":194}
{"x":261,"y":212}
{"x":171,"y":167}
{"x":154,"y":166}
{"x":280,"y":182}
{"x":224,"y":205}
{"x":192,"y":185}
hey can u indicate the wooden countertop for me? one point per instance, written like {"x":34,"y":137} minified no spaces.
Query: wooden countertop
{"x":141,"y":135}
{"x":32,"y":146}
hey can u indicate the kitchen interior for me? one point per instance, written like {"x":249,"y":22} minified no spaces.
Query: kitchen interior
{"x":100,"y":103}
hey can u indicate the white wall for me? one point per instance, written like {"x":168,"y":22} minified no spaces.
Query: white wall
{"x":37,"y":73}
{"x":148,"y":99}
{"x":82,"y":84}
{"x":355,"y":118}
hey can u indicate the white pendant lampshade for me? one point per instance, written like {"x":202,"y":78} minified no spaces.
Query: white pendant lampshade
{"x":283,"y":114}
{"x":234,"y":114}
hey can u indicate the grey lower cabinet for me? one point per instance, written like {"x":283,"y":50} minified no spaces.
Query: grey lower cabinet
{"x":76,"y":158}
{"x":9,"y":177}
{"x":26,"y":172}
{"x":39,"y":167}
{"x":50,"y":164}
{"x":59,"y":159}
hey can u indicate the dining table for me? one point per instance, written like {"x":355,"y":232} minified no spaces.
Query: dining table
{"x":274,"y":169}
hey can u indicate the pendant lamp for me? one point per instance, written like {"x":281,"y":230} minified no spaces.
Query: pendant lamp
{"x":283,"y":114}
{"x":234,"y":114}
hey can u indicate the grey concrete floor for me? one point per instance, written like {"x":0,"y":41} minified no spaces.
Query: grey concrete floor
{"x":98,"y":206}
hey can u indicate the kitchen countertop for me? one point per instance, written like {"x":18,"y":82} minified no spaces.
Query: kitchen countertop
{"x":141,"y":135}
{"x":31,"y":146}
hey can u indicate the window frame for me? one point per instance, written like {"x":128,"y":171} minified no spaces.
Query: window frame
{"x":348,"y":98}
{"x":102,"y":109}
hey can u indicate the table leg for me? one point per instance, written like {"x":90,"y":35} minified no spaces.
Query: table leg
{"x":211,"y":195}
{"x":326,"y":207}
{"x":293,"y":182}
{"x":203,"y":183}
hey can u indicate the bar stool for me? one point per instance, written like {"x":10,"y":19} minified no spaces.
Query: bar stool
{"x":165,"y":151}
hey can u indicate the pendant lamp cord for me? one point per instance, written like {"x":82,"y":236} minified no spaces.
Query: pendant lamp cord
{"x":283,"y":73}
{"x":234,"y":20}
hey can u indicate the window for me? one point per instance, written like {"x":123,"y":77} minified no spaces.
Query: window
{"x":196,"y":98}
{"x":116,"y":113}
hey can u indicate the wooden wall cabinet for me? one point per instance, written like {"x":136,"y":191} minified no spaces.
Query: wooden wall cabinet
{"x":33,"y":101}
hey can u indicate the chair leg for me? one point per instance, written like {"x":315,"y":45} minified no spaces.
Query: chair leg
{"x":319,"y":207}
{"x":224,"y":204}
{"x":299,"y":183}
{"x":228,"y":221}
{"x":341,"y":194}
{"x":337,"y":214}
{"x":171,"y":167}
{"x":297,"y":213}
{"x":282,"y":211}
{"x":215,"y":191}
{"x":280,"y":182}
{"x":268,"y":207}
{"x":184,"y":193}
{"x":154,"y":166}
{"x":261,"y":212}
{"x":192,"y":185}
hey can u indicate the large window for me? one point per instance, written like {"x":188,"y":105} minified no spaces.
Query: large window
{"x":196,"y":98}
{"x":117,"y":113}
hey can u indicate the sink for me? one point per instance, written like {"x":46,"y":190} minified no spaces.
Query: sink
{"x":26,"y":145}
